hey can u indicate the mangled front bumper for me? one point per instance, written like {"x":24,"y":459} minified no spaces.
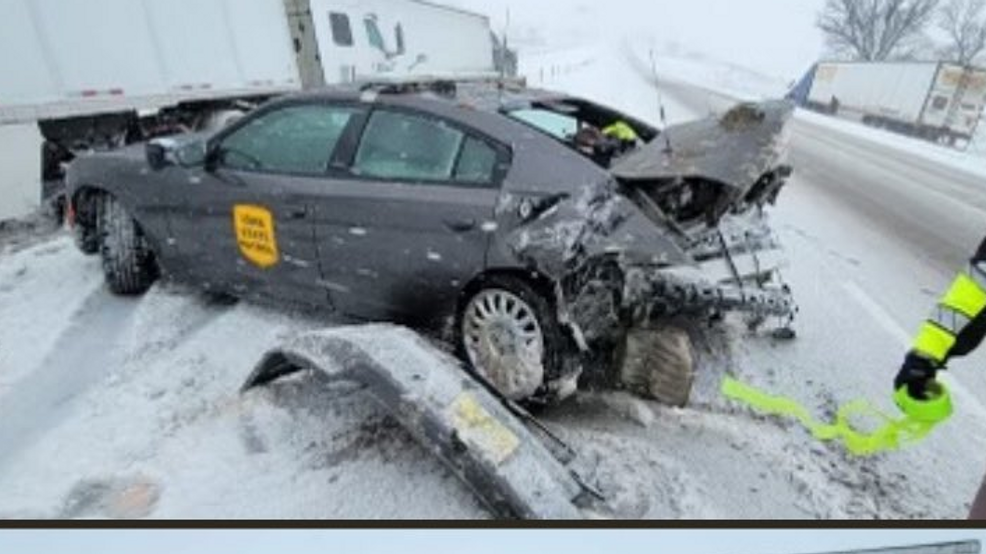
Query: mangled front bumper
{"x":650,"y":293}
{"x":454,"y":417}
{"x":735,"y":267}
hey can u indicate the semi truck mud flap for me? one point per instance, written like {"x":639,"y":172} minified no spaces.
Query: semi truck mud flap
{"x":452,"y":416}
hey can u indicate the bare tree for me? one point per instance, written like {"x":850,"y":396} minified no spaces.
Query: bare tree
{"x":965,"y":24}
{"x":874,"y":30}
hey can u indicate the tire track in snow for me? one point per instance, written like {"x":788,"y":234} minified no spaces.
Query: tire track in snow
{"x":82,"y":356}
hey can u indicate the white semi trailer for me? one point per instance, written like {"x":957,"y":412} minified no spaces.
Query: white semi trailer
{"x":938,"y":101}
{"x":102,"y":73}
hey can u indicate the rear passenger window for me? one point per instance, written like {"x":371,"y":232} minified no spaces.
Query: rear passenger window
{"x":408,"y":147}
{"x":342,"y":33}
{"x":296,"y":139}
{"x":477,"y":162}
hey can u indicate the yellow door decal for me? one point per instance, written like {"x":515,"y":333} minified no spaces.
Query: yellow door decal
{"x":254,"y":227}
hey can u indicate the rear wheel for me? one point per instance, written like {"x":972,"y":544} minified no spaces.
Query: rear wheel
{"x":128,"y":263}
{"x":510,"y":335}
{"x":82,"y":216}
{"x":86,"y":238}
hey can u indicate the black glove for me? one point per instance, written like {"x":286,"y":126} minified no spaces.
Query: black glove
{"x":916,"y":373}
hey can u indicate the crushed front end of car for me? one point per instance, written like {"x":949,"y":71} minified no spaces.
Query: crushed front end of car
{"x":680,"y":229}
{"x":708,"y":183}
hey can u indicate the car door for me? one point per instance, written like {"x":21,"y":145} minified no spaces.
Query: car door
{"x":248,"y":228}
{"x":403,"y":232}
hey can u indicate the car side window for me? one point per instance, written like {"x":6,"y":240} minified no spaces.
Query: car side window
{"x":407,"y":147}
{"x":295,"y":139}
{"x":477,"y":162}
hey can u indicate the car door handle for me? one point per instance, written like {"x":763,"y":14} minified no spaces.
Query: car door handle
{"x":297,"y":213}
{"x":460,"y":225}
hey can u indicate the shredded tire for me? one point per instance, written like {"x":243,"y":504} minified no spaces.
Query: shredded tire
{"x":659,"y":364}
{"x":128,"y":263}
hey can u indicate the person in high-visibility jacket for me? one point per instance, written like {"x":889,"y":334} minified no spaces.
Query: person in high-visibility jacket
{"x":955,"y":327}
{"x":622,"y":131}
{"x":602,"y":145}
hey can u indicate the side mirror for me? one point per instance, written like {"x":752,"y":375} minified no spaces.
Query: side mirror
{"x":159,"y":153}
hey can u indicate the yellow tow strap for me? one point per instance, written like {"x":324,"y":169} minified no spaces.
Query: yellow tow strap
{"x":891,"y":435}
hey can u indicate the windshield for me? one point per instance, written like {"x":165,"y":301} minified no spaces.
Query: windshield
{"x":601,"y":137}
{"x":558,"y":125}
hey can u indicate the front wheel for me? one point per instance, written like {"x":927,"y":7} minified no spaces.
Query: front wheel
{"x":128,"y":263}
{"x":510,"y":335}
{"x":659,"y":364}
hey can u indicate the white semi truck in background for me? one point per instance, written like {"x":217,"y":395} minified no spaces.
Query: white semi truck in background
{"x":103,"y":73}
{"x":937,"y":101}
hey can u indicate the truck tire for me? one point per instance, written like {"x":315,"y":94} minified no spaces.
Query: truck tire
{"x":128,"y":263}
{"x":659,"y":364}
{"x":502,"y":327}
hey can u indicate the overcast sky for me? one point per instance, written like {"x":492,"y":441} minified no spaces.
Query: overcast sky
{"x":461,"y":542}
{"x":776,"y":37}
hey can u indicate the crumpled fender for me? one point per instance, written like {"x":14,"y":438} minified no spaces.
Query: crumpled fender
{"x":597,"y":223}
{"x":451,"y":415}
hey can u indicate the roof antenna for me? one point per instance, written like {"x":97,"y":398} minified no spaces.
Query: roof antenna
{"x":660,"y":104}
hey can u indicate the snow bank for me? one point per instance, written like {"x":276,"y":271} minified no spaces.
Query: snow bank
{"x":949,"y":157}
{"x":694,"y":68}
{"x":602,"y":73}
{"x":43,"y":291}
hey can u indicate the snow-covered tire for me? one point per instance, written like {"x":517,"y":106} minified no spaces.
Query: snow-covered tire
{"x":128,"y":263}
{"x":558,"y":363}
{"x":86,"y":238}
{"x":83,"y":228}
{"x":659,"y":364}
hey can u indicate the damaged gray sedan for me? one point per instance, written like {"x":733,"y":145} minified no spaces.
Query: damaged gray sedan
{"x":542,"y":229}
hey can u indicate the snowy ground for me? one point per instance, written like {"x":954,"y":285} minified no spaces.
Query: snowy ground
{"x":129,"y":407}
{"x":973,"y":163}
{"x":105,"y":398}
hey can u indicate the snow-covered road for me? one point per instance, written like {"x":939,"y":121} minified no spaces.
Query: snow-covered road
{"x":115,"y":407}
